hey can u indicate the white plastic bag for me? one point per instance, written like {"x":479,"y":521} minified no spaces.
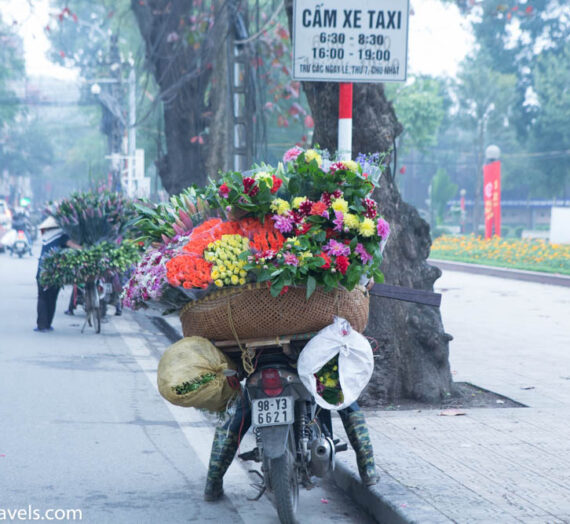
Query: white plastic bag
{"x":355,"y":361}
{"x":9,"y":238}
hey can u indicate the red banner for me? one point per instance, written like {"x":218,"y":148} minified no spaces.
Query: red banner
{"x":492,"y":198}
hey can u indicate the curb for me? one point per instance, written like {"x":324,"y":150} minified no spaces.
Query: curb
{"x":388,"y":502}
{"x":501,"y":272}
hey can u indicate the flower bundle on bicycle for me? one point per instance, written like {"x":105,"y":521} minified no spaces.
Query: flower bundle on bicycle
{"x":294,"y":226}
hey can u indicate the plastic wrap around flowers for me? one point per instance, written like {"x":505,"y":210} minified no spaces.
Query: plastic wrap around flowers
{"x":294,"y":225}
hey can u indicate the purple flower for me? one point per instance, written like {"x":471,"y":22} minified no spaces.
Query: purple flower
{"x":291,"y":259}
{"x":283,"y":224}
{"x":338,"y":221}
{"x":383,"y":228}
{"x":364,"y":255}
{"x":336,"y":248}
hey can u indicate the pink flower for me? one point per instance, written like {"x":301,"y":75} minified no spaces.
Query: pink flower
{"x":336,"y":248}
{"x":364,"y":255}
{"x":283,"y":224}
{"x":383,"y":228}
{"x":291,"y":259}
{"x":338,"y":221}
{"x":292,"y":154}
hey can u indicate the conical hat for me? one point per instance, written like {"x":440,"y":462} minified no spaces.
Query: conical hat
{"x":49,"y":223}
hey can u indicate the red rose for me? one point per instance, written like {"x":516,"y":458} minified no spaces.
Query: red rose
{"x":327,"y":260}
{"x":224,"y":191}
{"x":276,"y":184}
{"x":342,"y":264}
{"x":318,"y":208}
{"x":248,"y":183}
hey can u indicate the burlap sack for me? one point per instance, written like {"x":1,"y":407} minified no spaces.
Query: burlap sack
{"x":187,"y":360}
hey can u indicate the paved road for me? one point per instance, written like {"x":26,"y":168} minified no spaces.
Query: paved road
{"x":83,"y":427}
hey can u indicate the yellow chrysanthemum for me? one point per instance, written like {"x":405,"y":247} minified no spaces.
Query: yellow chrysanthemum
{"x":351,"y":165}
{"x":340,"y":204}
{"x":297,"y":201}
{"x":330,"y":382}
{"x":264,"y":176}
{"x":367,"y":227}
{"x":351,"y":221}
{"x":234,"y":279}
{"x":218,"y":282}
{"x":311,"y":154}
{"x":280,"y":206}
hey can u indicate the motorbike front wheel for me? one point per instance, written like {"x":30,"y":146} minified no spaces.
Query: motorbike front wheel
{"x":285,"y":486}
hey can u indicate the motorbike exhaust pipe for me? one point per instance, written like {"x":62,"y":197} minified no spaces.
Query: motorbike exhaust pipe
{"x":322,"y":456}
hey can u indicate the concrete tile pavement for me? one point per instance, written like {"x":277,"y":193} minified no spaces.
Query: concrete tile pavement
{"x":491,"y":465}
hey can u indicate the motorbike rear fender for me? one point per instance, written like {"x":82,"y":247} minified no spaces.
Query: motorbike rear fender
{"x":274,"y":440}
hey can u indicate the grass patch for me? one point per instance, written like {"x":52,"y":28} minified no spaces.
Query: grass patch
{"x":530,"y":255}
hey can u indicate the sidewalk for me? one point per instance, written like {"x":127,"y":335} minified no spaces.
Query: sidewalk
{"x":490,"y":465}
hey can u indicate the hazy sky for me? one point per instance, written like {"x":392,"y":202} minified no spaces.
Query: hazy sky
{"x":438,"y":37}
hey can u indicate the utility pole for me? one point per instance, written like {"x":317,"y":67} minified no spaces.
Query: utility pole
{"x":115,"y":139}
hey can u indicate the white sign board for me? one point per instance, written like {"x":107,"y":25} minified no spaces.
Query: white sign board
{"x":560,"y":225}
{"x":350,"y":41}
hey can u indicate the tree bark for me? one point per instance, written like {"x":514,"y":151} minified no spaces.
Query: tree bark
{"x":413,"y":354}
{"x":183,"y":72}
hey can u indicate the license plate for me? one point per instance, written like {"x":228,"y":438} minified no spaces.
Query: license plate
{"x":274,"y":411}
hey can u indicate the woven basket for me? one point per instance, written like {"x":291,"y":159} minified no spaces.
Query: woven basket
{"x":251,"y":312}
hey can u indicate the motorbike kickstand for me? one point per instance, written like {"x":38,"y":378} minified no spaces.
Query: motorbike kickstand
{"x":258,"y":486}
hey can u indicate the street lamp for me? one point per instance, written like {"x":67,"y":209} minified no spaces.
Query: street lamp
{"x":462,"y":193}
{"x":492,"y":153}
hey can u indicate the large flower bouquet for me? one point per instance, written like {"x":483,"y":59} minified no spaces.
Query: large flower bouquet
{"x":98,"y":221}
{"x":74,"y":266}
{"x":93,"y":216}
{"x":298,"y":224}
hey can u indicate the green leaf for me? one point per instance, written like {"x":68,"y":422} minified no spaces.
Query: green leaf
{"x":311,"y":285}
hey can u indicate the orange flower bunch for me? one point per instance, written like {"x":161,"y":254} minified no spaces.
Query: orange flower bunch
{"x":209,"y":232}
{"x":262,"y":236}
{"x":189,"y":271}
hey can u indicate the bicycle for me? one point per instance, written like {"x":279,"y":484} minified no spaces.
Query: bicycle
{"x":92,"y":305}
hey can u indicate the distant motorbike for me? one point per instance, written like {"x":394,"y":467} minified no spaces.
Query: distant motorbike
{"x":20,"y":246}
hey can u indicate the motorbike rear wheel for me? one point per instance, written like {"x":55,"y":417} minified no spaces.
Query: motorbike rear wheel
{"x":285,"y":485}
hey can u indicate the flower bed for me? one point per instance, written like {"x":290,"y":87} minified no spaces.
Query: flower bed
{"x":531,"y":255}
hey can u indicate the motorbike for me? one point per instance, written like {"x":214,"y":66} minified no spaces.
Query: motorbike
{"x":20,"y":246}
{"x":294,"y":439}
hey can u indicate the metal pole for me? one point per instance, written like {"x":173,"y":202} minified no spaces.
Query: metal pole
{"x":345,"y":121}
{"x":132,"y":133}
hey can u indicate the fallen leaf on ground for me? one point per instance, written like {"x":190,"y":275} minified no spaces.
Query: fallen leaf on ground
{"x":324,"y":501}
{"x":500,"y":401}
{"x":451,"y":413}
{"x":527,"y":387}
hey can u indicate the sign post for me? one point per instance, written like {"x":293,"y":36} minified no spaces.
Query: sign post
{"x":360,"y":41}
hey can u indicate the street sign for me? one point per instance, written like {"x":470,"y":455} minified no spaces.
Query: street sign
{"x":356,"y":41}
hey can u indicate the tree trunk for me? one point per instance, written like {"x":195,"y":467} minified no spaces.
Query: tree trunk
{"x":413,"y":354}
{"x":183,"y":72}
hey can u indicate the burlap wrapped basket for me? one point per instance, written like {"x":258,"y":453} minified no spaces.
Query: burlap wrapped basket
{"x":251,"y":312}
